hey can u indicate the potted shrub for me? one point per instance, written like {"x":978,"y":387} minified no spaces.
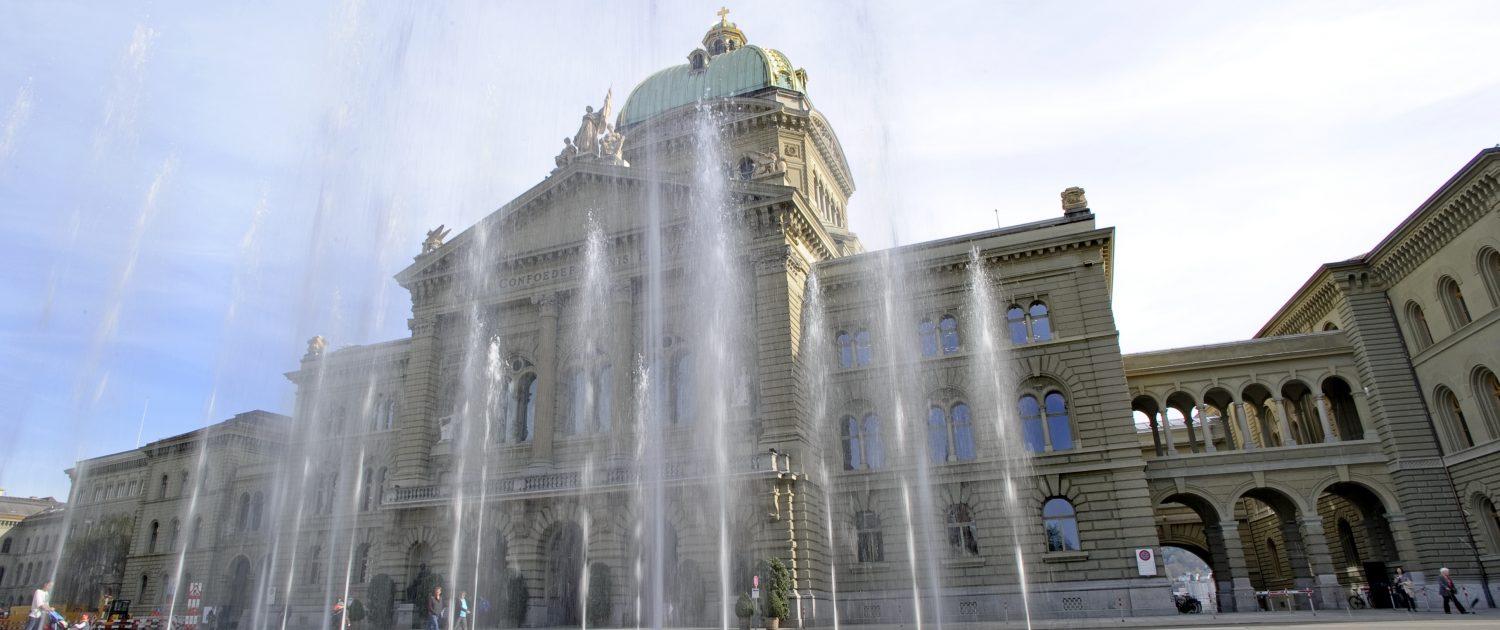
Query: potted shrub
{"x":356,"y":612}
{"x":744,"y":609}
{"x":382,"y":595}
{"x":777,"y":592}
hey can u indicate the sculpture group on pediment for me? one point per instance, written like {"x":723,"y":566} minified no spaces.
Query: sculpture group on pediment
{"x":596,"y":140}
{"x":434,"y":239}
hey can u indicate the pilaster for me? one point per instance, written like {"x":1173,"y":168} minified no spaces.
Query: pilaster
{"x":415,"y":428}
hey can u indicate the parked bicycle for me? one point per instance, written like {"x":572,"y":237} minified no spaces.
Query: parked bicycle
{"x":1187,"y":604}
{"x":1359,"y":597}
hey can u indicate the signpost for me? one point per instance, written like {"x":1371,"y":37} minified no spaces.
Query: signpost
{"x":194,"y":598}
{"x":1145,"y":561}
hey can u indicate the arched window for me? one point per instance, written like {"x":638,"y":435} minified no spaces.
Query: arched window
{"x":1041,"y":321}
{"x":1417,"y":321}
{"x":175,"y":535}
{"x":950,"y":432}
{"x":364,"y":489}
{"x":242,"y":517}
{"x":948,"y":330}
{"x":314,"y":560}
{"x":963,"y":431}
{"x":963,"y":536}
{"x":1491,"y":524}
{"x":379,"y":485}
{"x":1453,"y":302}
{"x":1061,"y":524}
{"x":927,"y":334}
{"x":1487,"y":391}
{"x":1015,"y":320}
{"x":578,"y":402}
{"x":155,"y":531}
{"x":684,"y":399}
{"x":604,"y":377}
{"x":161,"y":492}
{"x":845,"y":343}
{"x":5,"y":546}
{"x":871,"y":540}
{"x":2,"y":576}
{"x":1029,"y":325}
{"x":1031,"y":424}
{"x":388,"y":416}
{"x":525,"y":417}
{"x":1453,"y":416}
{"x":1059,"y":427}
{"x":937,"y":434}
{"x":361,"y":563}
{"x":1327,"y":326}
{"x":861,"y":442}
{"x":862,"y":348}
{"x":1489,"y":270}
{"x":257,"y":505}
{"x":196,"y":540}
{"x":183,"y":490}
{"x":854,"y":451}
{"x":747,"y":165}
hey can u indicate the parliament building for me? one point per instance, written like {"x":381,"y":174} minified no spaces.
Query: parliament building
{"x":865,"y":430}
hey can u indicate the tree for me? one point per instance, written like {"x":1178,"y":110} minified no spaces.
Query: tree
{"x":93,"y":561}
{"x":356,"y":611}
{"x":778,"y":590}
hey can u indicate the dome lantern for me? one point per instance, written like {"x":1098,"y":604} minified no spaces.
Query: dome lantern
{"x":723,"y":37}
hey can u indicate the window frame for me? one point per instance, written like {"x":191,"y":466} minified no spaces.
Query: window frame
{"x":1036,"y":326}
{"x":962,"y":530}
{"x":1067,"y":523}
{"x":1041,"y":391}
{"x":1451,"y":293}
{"x":869,"y":537}
{"x":1416,"y":321}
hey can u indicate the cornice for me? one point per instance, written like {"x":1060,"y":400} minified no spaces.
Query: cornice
{"x":1421,"y":241}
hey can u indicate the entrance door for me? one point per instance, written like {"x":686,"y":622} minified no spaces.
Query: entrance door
{"x":564,"y":570}
{"x":1380,"y":585}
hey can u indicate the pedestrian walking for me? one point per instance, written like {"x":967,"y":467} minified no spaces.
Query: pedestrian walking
{"x":1450,"y":593}
{"x":41,"y":607}
{"x":1406,"y":591}
{"x":435,"y":608}
{"x":463,"y":611}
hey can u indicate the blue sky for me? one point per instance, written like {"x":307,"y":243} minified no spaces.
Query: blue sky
{"x":191,"y":190}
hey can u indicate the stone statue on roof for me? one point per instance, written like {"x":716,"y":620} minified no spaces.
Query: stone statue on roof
{"x":434,"y":239}
{"x":596,"y":140}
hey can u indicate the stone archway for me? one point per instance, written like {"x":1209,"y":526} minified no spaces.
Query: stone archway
{"x":1221,"y":547}
{"x":1362,"y":546}
{"x":1285,"y":547}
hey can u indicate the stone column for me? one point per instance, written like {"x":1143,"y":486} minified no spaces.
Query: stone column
{"x":1284,"y":414}
{"x":1235,"y":592}
{"x":1187,"y":421}
{"x":1166,"y":427}
{"x":1316,"y":559}
{"x":546,"y":380}
{"x":1406,"y":549}
{"x":1208,"y":431}
{"x":1322,"y":404}
{"x":1247,"y":443}
{"x":416,"y":427}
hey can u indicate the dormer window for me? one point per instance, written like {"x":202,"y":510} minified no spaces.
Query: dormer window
{"x":718,"y":47}
{"x":698,"y":59}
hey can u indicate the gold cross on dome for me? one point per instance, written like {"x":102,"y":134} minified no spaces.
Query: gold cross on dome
{"x":723,"y":15}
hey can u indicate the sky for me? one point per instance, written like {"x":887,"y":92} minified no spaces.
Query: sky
{"x":190,"y":190}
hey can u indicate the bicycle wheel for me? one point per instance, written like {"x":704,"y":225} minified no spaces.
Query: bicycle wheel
{"x":1356,"y":601}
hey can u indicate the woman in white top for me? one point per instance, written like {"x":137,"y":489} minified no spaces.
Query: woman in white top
{"x":40,"y":606}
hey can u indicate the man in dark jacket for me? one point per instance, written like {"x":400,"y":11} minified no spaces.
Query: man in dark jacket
{"x":434,"y":609}
{"x":1449,"y":592}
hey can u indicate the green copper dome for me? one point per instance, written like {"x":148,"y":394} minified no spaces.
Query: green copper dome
{"x":743,"y":70}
